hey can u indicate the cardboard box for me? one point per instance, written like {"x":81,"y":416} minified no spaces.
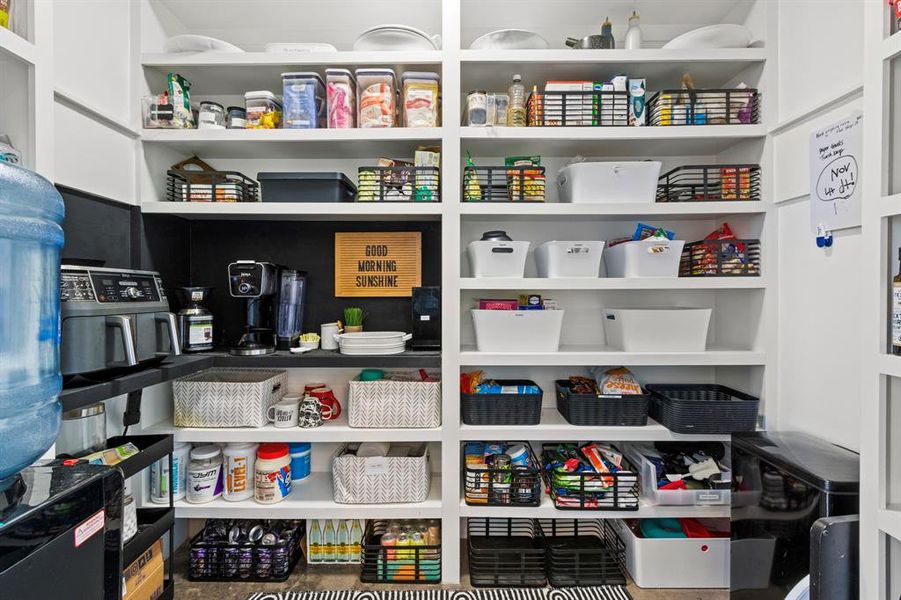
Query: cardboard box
{"x":150,"y":588}
{"x":142,"y":569}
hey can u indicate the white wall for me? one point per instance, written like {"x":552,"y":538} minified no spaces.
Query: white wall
{"x":819,"y":340}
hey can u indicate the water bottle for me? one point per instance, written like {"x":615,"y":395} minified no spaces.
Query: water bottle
{"x":516,"y":113}
{"x":31,"y":211}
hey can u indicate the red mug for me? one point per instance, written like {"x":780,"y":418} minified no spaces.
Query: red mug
{"x":308,"y":388}
{"x":331,"y":408}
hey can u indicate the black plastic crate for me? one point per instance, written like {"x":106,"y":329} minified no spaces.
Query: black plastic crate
{"x":703,"y":408}
{"x":601,"y":411}
{"x":397,"y":564}
{"x":398,"y":184}
{"x":579,"y":109}
{"x":504,"y":184}
{"x":704,"y":107}
{"x":502,"y":409}
{"x":306,"y":186}
{"x":591,"y":491}
{"x":210,"y":186}
{"x":246,"y":561}
{"x":710,"y":183}
{"x":505,"y":553}
{"x":720,"y":258}
{"x":584,"y":552}
{"x":518,"y":486}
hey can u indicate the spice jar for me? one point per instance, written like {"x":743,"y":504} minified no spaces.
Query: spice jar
{"x":477,"y":108}
{"x":212,"y":116}
{"x":237,"y":118}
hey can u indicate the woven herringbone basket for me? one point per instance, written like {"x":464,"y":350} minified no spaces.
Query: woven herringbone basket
{"x":227,"y":397}
{"x":381,"y":479}
{"x":400,"y":404}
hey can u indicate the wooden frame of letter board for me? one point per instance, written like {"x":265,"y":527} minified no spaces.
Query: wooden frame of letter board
{"x":404,"y":247}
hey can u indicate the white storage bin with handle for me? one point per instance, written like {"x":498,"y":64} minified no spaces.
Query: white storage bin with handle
{"x":518,"y":330}
{"x":644,"y":258}
{"x":636,"y":453}
{"x":496,"y":255}
{"x":569,"y":259}
{"x":657,"y":330}
{"x":675,"y":562}
{"x":634,"y":181}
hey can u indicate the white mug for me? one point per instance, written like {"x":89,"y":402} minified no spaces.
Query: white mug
{"x":327,"y":339}
{"x":284,"y":412}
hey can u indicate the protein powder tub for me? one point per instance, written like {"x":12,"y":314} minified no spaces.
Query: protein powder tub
{"x":161,"y":479}
{"x":205,"y":474}
{"x":272,"y":474}
{"x":239,"y":458}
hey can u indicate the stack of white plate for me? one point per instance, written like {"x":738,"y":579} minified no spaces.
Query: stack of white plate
{"x":372,"y":343}
{"x":396,"y":37}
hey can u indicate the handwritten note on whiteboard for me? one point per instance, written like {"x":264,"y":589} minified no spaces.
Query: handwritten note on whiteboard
{"x":835,"y":157}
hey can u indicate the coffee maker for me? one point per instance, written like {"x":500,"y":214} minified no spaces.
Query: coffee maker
{"x":426,"y":318}
{"x":255,"y":282}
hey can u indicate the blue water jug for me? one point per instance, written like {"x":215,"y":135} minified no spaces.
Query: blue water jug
{"x":31,"y":211}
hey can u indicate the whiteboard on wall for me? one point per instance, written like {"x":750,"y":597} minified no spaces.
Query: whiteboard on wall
{"x":835,"y":160}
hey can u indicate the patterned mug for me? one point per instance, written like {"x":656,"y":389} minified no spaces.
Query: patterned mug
{"x":310,"y":414}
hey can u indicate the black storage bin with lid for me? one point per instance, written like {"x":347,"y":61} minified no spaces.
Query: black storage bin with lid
{"x":785,"y":484}
{"x":301,"y":186}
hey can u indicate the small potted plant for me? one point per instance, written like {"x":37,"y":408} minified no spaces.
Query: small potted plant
{"x":353,"y":319}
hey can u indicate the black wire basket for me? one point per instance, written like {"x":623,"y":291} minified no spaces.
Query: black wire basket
{"x":704,"y":107}
{"x":710,"y":183}
{"x":583,"y":552}
{"x":579,"y":109}
{"x":505,"y":553}
{"x":404,"y":564}
{"x":591,"y":491}
{"x":398,"y":184}
{"x":221,"y":560}
{"x":503,"y":184}
{"x":720,"y":258}
{"x":515,"y":486}
{"x":210,"y":186}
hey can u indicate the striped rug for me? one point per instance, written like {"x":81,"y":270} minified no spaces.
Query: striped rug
{"x":608,"y":592}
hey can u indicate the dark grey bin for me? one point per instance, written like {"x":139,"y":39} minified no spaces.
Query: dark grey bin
{"x":306,"y":187}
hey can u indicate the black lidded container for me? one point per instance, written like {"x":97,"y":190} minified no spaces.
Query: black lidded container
{"x":301,"y":186}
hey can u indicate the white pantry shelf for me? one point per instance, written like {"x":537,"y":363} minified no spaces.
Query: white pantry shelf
{"x":293,"y":143}
{"x":890,"y":206}
{"x":890,"y":365}
{"x":626,"y":210}
{"x":234,"y":73}
{"x":547,"y":510}
{"x":486,"y":69}
{"x":576,"y":355}
{"x":16,"y":46}
{"x":613,"y":283}
{"x":331,"y":431}
{"x":553,"y":427}
{"x":674,"y":140}
{"x":312,"y":498}
{"x":280,"y":211}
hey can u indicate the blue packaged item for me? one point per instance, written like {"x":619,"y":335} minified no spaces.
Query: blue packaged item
{"x":643,"y":231}
{"x":303,"y":101}
{"x":301,"y":453}
{"x":31,"y":211}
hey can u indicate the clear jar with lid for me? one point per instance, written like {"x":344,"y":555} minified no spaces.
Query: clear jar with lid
{"x":477,"y":108}
{"x":211,"y":116}
{"x":205,"y":474}
{"x":236,"y":118}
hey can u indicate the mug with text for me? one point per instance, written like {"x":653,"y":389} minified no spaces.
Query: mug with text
{"x":284,"y":412}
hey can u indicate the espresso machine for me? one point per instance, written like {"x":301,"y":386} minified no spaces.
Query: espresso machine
{"x":256,"y":282}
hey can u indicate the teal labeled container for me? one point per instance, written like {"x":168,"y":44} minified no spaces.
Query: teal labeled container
{"x":31,"y":236}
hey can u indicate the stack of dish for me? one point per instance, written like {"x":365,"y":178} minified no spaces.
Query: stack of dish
{"x":396,"y":37}
{"x":373,"y":343}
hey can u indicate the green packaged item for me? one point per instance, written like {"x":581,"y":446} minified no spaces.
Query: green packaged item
{"x":472,"y":191}
{"x":179,"y":90}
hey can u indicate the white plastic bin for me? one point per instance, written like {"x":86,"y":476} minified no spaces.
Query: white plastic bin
{"x":498,"y":258}
{"x":569,"y":259}
{"x":634,"y":181}
{"x":644,"y":258}
{"x":675,"y":562}
{"x":657,"y":329}
{"x":649,"y":491}
{"x":518,"y":330}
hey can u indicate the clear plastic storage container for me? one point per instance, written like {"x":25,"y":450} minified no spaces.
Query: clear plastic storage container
{"x":420,"y":99}
{"x":649,"y":490}
{"x":31,"y":211}
{"x":264,"y":110}
{"x":341,"y":99}
{"x":303,"y":101}
{"x":376,"y":98}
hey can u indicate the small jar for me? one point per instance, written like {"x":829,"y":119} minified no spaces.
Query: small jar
{"x":300,"y":460}
{"x":272,"y":474}
{"x":238,"y":462}
{"x":236,"y":118}
{"x":211,"y":116}
{"x":205,"y":474}
{"x":477,"y":108}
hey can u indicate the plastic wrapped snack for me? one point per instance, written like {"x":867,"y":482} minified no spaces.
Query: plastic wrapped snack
{"x":617,"y":382}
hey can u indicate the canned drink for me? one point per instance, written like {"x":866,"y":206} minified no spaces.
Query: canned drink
{"x":159,"y":481}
